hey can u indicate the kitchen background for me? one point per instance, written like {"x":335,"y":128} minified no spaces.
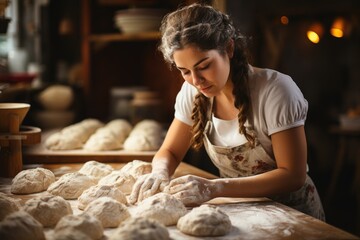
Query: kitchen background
{"x":73,"y":49}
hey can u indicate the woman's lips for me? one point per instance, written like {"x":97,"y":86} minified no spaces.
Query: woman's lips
{"x":204,"y":89}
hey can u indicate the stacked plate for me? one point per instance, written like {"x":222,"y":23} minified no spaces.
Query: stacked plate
{"x":135,"y":20}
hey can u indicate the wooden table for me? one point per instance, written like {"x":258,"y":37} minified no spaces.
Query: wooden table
{"x":252,"y":218}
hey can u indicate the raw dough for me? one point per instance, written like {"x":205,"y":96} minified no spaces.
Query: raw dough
{"x":97,"y":191}
{"x":96,"y":170}
{"x":73,"y":136}
{"x":48,"y":210}
{"x":71,"y":185}
{"x":141,"y":228}
{"x":109,"y":137}
{"x":109,"y":211}
{"x":69,"y":234}
{"x":21,"y":225}
{"x":136,"y":168}
{"x":205,"y":221}
{"x":122,"y":181}
{"x":161,"y":207}
{"x":8,"y":205}
{"x":83,"y":222}
{"x":32,"y":181}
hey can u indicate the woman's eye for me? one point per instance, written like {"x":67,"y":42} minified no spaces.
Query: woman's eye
{"x":204,"y":67}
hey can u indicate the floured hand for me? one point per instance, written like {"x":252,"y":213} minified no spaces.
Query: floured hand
{"x":191,"y":190}
{"x":147,"y":185}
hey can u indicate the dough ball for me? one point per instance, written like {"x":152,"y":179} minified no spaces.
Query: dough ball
{"x":48,"y":210}
{"x":8,"y":205}
{"x":59,"y":141}
{"x":83,"y":222}
{"x":32,"y":181}
{"x":121,"y":128}
{"x":97,"y":191}
{"x":141,"y":228}
{"x":147,"y":126}
{"x":56,"y":97}
{"x":161,"y":207}
{"x":136,"y":168}
{"x":69,"y":234}
{"x":103,"y":140}
{"x":71,"y":185}
{"x":96,"y":170}
{"x":21,"y":225}
{"x":205,"y":221}
{"x":143,"y":142}
{"x":109,"y":211}
{"x":123,"y":181}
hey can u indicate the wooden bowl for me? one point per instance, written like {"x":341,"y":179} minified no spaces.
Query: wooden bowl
{"x":9,"y":111}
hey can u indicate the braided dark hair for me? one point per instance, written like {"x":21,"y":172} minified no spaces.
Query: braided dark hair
{"x":203,"y":26}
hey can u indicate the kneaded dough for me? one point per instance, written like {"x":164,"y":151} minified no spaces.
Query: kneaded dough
{"x":8,"y":205}
{"x":21,"y":225}
{"x":32,"y":181}
{"x":96,"y":170}
{"x":161,"y":207}
{"x":136,"y":168}
{"x":141,"y":228}
{"x":122,"y":181}
{"x":205,"y":221}
{"x":71,"y":185}
{"x":109,"y":211}
{"x":48,"y":210}
{"x":97,"y":191}
{"x":83,"y":222}
{"x":69,"y":234}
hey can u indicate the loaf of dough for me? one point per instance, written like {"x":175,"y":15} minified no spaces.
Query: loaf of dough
{"x":71,"y":185}
{"x":97,"y":191}
{"x":109,"y":211}
{"x":141,"y":228}
{"x":32,"y":181}
{"x":161,"y":207}
{"x":21,"y":225}
{"x":205,"y":221}
{"x":8,"y":205}
{"x":121,"y":180}
{"x":83,"y":222}
{"x":109,"y":137}
{"x":73,"y":136}
{"x":96,"y":170}
{"x":136,"y":168}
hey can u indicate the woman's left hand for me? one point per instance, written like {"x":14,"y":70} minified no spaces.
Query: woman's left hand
{"x":191,"y":190}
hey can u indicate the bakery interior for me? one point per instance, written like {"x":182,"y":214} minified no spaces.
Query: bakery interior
{"x":72,"y":59}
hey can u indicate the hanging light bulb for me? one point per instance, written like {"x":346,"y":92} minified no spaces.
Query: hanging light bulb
{"x":338,"y":27}
{"x":315,"y":32}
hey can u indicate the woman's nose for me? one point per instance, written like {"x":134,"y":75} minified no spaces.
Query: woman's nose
{"x":197,"y":78}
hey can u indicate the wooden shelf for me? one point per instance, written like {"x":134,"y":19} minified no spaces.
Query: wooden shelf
{"x":144,"y":36}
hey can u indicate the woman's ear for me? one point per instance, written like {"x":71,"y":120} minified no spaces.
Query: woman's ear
{"x":230,"y":48}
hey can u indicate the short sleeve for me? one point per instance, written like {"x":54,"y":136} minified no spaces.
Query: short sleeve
{"x":285,"y":105}
{"x":184,"y":103}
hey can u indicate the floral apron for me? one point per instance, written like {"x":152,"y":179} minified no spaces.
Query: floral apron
{"x":242,"y":161}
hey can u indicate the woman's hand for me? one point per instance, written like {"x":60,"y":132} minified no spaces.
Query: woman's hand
{"x":191,"y":190}
{"x":147,"y":185}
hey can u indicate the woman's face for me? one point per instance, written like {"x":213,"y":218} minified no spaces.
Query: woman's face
{"x":208,"y":70}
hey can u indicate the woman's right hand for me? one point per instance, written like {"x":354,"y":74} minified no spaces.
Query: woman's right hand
{"x":147,"y":185}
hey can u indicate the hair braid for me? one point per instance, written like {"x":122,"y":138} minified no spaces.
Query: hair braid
{"x":199,"y":117}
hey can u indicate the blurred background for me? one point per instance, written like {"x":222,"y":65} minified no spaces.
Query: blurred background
{"x":72,"y":59}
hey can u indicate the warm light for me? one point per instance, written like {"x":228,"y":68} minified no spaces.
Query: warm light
{"x":315,"y":32}
{"x":284,"y":20}
{"x":338,"y":28}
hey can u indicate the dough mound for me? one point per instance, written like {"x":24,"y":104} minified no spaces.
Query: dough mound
{"x":136,"y":168}
{"x":83,"y":222}
{"x":21,"y":225}
{"x":69,"y":234}
{"x":48,"y":210}
{"x":32,"y":181}
{"x":161,"y":207}
{"x":96,"y":170}
{"x":109,"y":211}
{"x":97,"y":191}
{"x":205,"y":221}
{"x":123,"y":181}
{"x":73,"y":136}
{"x":141,"y":228}
{"x":109,"y":137}
{"x":8,"y":205}
{"x":71,"y":185}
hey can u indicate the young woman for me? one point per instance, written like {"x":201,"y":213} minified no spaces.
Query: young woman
{"x":250,"y":120}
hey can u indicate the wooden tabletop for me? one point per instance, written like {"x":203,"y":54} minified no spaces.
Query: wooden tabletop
{"x":252,"y":218}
